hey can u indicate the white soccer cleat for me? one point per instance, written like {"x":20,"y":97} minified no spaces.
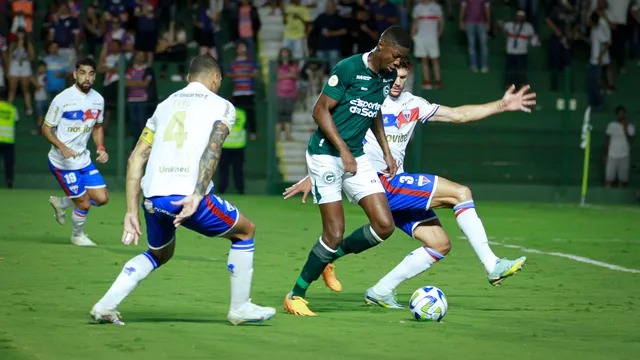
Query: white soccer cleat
{"x":106,"y":316}
{"x":59,"y":212}
{"x":250,"y":313}
{"x":82,"y":240}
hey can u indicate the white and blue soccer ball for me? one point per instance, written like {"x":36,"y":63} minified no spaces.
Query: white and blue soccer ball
{"x":428,"y":304}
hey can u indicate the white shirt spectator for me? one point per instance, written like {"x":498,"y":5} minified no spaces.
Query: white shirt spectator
{"x":519,"y":36}
{"x":599,"y":36}
{"x":427,"y":16}
{"x":617,"y":10}
{"x":618,"y":144}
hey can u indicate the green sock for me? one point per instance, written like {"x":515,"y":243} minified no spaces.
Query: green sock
{"x":318,"y":259}
{"x":359,"y":240}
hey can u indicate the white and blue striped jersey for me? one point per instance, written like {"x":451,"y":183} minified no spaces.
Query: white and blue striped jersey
{"x":72,"y":115}
{"x":400,"y":117}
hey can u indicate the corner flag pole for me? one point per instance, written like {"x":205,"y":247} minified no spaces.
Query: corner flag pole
{"x":585,"y":144}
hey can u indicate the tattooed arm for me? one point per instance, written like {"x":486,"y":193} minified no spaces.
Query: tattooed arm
{"x":208,"y":164}
{"x":135,"y":170}
{"x":211,"y":157}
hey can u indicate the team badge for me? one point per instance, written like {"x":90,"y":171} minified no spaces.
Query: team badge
{"x":148,"y":205}
{"x":73,"y":189}
{"x":333,"y":80}
{"x":386,"y":90}
{"x":329,"y":177}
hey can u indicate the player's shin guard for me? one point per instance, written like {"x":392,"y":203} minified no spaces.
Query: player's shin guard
{"x":133,"y":272}
{"x":472,"y":227}
{"x":319,"y":257}
{"x":358,"y":241}
{"x":78,"y":218}
{"x":415,"y":263}
{"x":240,"y":266}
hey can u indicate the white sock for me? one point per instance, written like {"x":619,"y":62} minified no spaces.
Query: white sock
{"x":65,"y":202}
{"x":78,"y":218}
{"x":472,"y":227}
{"x":415,"y":263}
{"x":240,"y":266}
{"x":134,"y":271}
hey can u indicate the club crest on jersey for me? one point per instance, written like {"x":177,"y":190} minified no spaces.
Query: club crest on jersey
{"x":91,"y":114}
{"x":73,"y":189}
{"x":329,"y":177}
{"x":148,"y":205}
{"x":405,"y":117}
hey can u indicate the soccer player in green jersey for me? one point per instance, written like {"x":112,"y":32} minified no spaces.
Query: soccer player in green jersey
{"x":348,"y":106}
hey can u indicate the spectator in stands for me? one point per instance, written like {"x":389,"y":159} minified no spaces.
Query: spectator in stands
{"x":139,"y":78}
{"x":635,"y":29}
{"x":117,"y":31}
{"x":65,"y":31}
{"x":216,"y":7}
{"x":108,"y":65}
{"x":618,"y":147}
{"x":475,"y":20}
{"x":146,"y":35}
{"x":8,"y":118}
{"x":58,"y":70}
{"x":203,"y":20}
{"x":364,"y":33}
{"x":615,"y":12}
{"x":39,"y":82}
{"x":22,"y":12}
{"x":232,"y":155}
{"x":243,"y":72}
{"x":385,"y":13}
{"x":245,"y":25}
{"x":75,"y":8}
{"x":3,"y":65}
{"x":600,"y":41}
{"x":21,"y":54}
{"x":562,"y":19}
{"x":427,"y":27}
{"x":172,"y":47}
{"x":116,"y":9}
{"x":93,"y":30}
{"x":329,"y":30}
{"x":531,"y":8}
{"x":296,"y":20}
{"x":520,"y":33}
{"x":287,"y":92}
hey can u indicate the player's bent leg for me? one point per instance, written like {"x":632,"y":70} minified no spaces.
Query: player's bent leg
{"x":322,"y":253}
{"x":78,"y":219}
{"x":95,"y":185}
{"x":98,"y":196}
{"x":453,"y":195}
{"x":424,"y":226}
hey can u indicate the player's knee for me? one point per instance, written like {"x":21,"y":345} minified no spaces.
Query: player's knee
{"x":250,"y":229}
{"x":83,"y":203}
{"x":443,"y":247}
{"x":333,"y":236}
{"x":163,"y":255}
{"x":384,"y":228}
{"x":463,"y":194}
{"x":101,"y":199}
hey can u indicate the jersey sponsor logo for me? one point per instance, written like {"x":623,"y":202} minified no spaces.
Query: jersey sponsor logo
{"x":364,"y":108}
{"x":79,"y":115}
{"x":173,"y":169}
{"x":93,"y":172}
{"x":387,"y":80}
{"x":363,"y":77}
{"x":333,"y":80}
{"x":364,"y":88}
{"x":79,"y":129}
{"x":398,"y":138}
{"x":192,"y":95}
{"x":148,"y":205}
{"x":329,"y":177}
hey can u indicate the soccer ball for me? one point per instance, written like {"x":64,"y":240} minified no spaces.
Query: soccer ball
{"x":428,"y":304}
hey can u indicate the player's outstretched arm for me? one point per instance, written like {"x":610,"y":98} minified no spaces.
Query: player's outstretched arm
{"x":377,"y":127}
{"x":208,"y":164}
{"x":322,"y":116}
{"x":521,"y":100}
{"x":98,"y":139}
{"x":135,"y":169}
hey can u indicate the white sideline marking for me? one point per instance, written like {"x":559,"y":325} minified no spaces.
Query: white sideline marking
{"x":569,"y":256}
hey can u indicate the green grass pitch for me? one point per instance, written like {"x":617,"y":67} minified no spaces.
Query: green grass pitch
{"x":556,"y":308}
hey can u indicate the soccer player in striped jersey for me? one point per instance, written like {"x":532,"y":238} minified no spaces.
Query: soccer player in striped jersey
{"x":74,"y":115}
{"x":181,"y":146}
{"x":413,"y":196}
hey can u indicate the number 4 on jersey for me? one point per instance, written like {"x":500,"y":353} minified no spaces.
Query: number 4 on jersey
{"x":175,"y":129}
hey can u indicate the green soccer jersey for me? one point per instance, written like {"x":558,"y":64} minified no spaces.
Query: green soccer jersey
{"x":360,"y":93}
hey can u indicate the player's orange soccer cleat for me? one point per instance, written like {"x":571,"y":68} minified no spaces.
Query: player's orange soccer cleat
{"x":296,"y":305}
{"x":330,"y":279}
